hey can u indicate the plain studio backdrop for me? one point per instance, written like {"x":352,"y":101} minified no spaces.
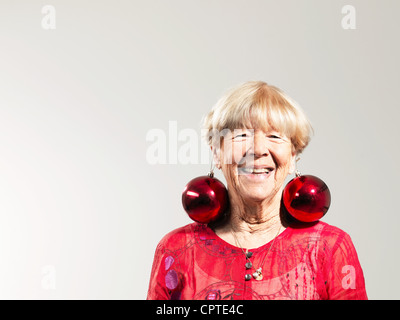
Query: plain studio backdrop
{"x":85,"y":86}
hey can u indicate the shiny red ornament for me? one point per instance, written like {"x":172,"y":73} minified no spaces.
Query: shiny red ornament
{"x":307,"y":198}
{"x":205,"y":199}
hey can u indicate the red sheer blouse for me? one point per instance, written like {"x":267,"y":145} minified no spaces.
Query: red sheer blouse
{"x":314,"y":262}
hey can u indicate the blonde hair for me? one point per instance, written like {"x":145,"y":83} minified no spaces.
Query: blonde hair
{"x":257,"y":105}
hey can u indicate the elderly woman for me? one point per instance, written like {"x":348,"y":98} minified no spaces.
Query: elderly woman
{"x":255,"y":251}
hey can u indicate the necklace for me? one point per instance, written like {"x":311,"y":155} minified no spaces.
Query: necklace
{"x":257,"y":272}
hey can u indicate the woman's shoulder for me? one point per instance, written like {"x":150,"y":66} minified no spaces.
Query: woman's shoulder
{"x":179,"y":237}
{"x":317,"y":227}
{"x":321,"y":231}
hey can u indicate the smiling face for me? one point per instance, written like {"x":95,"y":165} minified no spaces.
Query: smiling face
{"x":257,"y":158}
{"x":256,"y":163}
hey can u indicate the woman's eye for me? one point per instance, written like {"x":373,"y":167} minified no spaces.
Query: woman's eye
{"x":273,"y":136}
{"x":242,"y":135}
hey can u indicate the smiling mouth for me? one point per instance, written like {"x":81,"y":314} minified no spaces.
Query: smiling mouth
{"x":256,"y":171}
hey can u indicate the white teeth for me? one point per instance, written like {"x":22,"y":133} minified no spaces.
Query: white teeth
{"x":247,"y":170}
{"x":260,"y":171}
{"x":254,"y":170}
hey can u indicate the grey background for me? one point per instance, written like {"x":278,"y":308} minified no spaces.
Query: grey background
{"x":77,"y":193}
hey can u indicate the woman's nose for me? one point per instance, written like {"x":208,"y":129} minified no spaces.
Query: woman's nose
{"x":260,"y":145}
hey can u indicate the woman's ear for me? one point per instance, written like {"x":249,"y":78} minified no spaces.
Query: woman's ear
{"x":216,"y":157}
{"x":293,"y":162}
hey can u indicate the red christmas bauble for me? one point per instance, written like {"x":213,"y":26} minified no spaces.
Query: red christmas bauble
{"x":205,"y":199}
{"x":307,"y":198}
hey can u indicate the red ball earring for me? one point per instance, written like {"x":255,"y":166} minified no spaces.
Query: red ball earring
{"x":205,"y":199}
{"x":307,"y":198}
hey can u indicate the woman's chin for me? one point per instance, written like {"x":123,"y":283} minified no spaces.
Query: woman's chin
{"x":255,"y":195}
{"x":260,"y":193}
{"x":258,"y":187}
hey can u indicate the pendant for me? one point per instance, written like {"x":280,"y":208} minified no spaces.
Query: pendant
{"x":258,"y":277}
{"x":258,"y":274}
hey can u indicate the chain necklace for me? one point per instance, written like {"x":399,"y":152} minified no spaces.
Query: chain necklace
{"x":257,"y":272}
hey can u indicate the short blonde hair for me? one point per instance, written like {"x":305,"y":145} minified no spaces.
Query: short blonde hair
{"x":257,"y":105}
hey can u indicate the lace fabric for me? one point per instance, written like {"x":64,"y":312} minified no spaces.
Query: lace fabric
{"x":313,"y":262}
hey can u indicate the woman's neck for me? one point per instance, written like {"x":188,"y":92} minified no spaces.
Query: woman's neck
{"x":252,"y":224}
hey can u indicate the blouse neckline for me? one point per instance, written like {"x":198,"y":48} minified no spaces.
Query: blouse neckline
{"x":263,"y":247}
